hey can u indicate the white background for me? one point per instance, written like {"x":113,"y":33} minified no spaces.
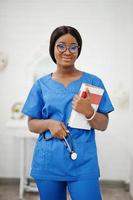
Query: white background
{"x":106,"y":27}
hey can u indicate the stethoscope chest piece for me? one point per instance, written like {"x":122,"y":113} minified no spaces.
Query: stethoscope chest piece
{"x":73,"y":155}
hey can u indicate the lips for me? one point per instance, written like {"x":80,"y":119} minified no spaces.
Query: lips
{"x":66,"y":58}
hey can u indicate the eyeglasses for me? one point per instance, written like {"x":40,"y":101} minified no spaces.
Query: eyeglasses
{"x":73,"y":48}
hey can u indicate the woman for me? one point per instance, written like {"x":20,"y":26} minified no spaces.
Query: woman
{"x":65,"y":156}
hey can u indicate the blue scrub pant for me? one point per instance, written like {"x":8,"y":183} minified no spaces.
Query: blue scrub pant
{"x":78,"y":190}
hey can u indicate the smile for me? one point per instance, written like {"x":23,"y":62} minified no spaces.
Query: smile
{"x":66,"y":58}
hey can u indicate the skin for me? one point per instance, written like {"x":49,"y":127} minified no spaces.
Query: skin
{"x":65,"y":73}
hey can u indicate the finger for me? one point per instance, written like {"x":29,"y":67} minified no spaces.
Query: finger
{"x":88,"y":92}
{"x":73,"y":107}
{"x":74,"y":104}
{"x":76,"y":97}
{"x":64,"y":128}
{"x":83,"y":94}
{"x":88,"y":95}
{"x":61,"y":134}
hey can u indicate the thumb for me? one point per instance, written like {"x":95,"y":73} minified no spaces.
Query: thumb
{"x":88,"y":93}
{"x":64,"y":127}
{"x":85,"y":94}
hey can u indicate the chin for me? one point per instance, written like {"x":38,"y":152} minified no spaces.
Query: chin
{"x":67,"y":63}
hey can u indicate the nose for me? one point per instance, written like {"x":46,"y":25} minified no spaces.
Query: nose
{"x":67,"y":51}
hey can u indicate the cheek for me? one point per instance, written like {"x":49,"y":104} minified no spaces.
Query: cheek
{"x":56,"y":54}
{"x":56,"y":57}
{"x":76,"y":56}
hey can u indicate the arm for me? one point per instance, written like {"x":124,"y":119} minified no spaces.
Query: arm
{"x":38,"y":125}
{"x":100,"y":121}
{"x":56,"y":128}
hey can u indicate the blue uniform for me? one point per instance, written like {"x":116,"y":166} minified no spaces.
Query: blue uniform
{"x":49,"y":99}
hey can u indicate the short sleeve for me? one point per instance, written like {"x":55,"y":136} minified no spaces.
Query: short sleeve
{"x":34,"y":102}
{"x":105,"y":105}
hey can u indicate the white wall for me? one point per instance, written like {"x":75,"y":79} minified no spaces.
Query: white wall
{"x":106,"y":28}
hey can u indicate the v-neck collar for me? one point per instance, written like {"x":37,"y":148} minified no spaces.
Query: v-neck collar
{"x":69,"y":84}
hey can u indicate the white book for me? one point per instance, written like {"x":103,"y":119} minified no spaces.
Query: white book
{"x":78,"y":120}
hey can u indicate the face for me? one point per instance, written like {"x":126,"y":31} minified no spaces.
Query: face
{"x":66,"y":50}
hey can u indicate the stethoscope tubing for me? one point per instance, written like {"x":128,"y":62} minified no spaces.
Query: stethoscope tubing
{"x":73,"y":154}
{"x":67,"y":144}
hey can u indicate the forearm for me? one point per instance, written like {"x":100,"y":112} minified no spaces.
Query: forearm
{"x":99,"y":122}
{"x":38,"y":125}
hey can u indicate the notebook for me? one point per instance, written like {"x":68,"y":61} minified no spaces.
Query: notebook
{"x":78,"y":120}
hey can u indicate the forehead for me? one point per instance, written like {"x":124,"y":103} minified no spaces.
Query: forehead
{"x":67,"y":39}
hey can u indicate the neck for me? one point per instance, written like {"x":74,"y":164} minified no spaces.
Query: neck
{"x":65,"y":70}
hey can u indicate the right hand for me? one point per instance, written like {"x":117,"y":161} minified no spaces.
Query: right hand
{"x":82,"y":104}
{"x":57,"y":129}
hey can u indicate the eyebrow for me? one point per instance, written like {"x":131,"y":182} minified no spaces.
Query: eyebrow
{"x":65,"y":43}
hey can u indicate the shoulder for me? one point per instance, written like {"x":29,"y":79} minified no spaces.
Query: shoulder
{"x":43,"y":80}
{"x":92,"y":79}
{"x":40,"y":83}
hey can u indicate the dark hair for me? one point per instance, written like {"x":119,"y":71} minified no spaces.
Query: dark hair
{"x":58,"y":32}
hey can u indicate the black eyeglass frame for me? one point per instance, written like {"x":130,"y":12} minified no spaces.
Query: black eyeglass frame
{"x":67,"y":48}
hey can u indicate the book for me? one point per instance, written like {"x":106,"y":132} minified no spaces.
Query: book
{"x":78,"y":120}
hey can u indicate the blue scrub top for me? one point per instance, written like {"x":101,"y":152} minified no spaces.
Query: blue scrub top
{"x":49,"y":99}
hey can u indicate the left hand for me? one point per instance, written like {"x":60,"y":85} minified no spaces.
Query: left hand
{"x":83,"y":105}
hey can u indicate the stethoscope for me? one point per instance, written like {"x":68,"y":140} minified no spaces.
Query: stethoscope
{"x":73,"y":154}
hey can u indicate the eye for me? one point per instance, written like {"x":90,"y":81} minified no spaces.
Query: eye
{"x":74,"y":48}
{"x":61,"y":47}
